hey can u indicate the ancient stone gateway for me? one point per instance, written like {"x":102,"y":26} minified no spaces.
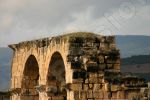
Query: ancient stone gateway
{"x":76,"y":66}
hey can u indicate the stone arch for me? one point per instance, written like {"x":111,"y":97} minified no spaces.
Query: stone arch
{"x":56,"y":76}
{"x":30,"y":78}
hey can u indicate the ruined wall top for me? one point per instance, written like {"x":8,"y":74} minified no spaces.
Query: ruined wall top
{"x":66,"y":38}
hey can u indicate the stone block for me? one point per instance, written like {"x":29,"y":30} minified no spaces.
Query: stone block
{"x":86,"y":80}
{"x":100,"y":74}
{"x":93,"y":80}
{"x":110,"y":39}
{"x":57,"y":98}
{"x":104,"y":46}
{"x":79,"y":80}
{"x":83,"y":95}
{"x":101,"y":67}
{"x":100,"y":80}
{"x":97,"y":87}
{"x":76,"y":87}
{"x":110,"y":66}
{"x":76,"y":95}
{"x":112,"y":46}
{"x":106,"y":95}
{"x":101,"y":38}
{"x":85,"y":87}
{"x":114,"y":87}
{"x":98,"y":95}
{"x":101,"y":59}
{"x":89,"y":94}
{"x":117,"y":66}
{"x":91,"y":86}
{"x":92,"y":75}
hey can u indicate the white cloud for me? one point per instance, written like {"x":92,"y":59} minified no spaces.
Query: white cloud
{"x":144,"y":12}
{"x":29,"y":19}
{"x":6,"y":22}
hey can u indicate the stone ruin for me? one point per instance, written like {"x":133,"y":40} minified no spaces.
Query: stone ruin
{"x":76,"y":66}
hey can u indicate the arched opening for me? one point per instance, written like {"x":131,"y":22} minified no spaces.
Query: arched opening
{"x":56,"y":77}
{"x":30,"y":79}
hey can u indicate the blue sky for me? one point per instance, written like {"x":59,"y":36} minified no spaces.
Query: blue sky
{"x":22,"y":20}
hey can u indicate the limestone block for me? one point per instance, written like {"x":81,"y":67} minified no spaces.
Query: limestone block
{"x":98,"y":95}
{"x":114,"y":95}
{"x":91,"y":86}
{"x":110,"y":39}
{"x":57,"y":98}
{"x":101,"y":59}
{"x":93,"y":80}
{"x":101,"y":74}
{"x":76,"y":87}
{"x":102,"y":66}
{"x":117,"y":61}
{"x":101,"y":38}
{"x":120,"y":94}
{"x":86,"y":80}
{"x":79,"y":80}
{"x":83,"y":96}
{"x":110,"y":66}
{"x":93,"y":75}
{"x":76,"y":95}
{"x":112,"y":46}
{"x":97,"y":87}
{"x":106,"y":95}
{"x":33,"y":92}
{"x":114,"y":87}
{"x":104,"y":46}
{"x":117,"y":66}
{"x":52,"y":89}
{"x":89,"y":94}
{"x":100,"y":80}
{"x":85,"y":87}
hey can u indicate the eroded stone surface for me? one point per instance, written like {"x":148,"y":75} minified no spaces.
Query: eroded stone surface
{"x":77,"y":66}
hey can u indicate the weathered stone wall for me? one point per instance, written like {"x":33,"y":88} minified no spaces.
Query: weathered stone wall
{"x":90,"y":57}
{"x":42,"y":50}
{"x":77,"y":66}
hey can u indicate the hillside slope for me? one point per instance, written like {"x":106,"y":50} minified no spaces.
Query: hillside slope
{"x":5,"y":69}
{"x":133,"y":45}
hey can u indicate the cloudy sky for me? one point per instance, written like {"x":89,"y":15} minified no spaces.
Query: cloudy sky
{"x":31,"y":19}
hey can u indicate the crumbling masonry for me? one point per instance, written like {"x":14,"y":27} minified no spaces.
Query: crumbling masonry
{"x":76,"y":66}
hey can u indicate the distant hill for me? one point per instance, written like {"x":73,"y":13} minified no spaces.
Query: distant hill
{"x":136,"y":64}
{"x":133,"y":45}
{"x":5,"y":69}
{"x":139,"y":65}
{"x":137,"y":59}
{"x":129,"y":45}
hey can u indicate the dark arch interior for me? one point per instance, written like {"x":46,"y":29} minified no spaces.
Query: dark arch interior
{"x":56,"y":76}
{"x":30,"y":76}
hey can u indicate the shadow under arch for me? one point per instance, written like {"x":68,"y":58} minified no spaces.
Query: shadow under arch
{"x":56,"y":77}
{"x":30,"y":79}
